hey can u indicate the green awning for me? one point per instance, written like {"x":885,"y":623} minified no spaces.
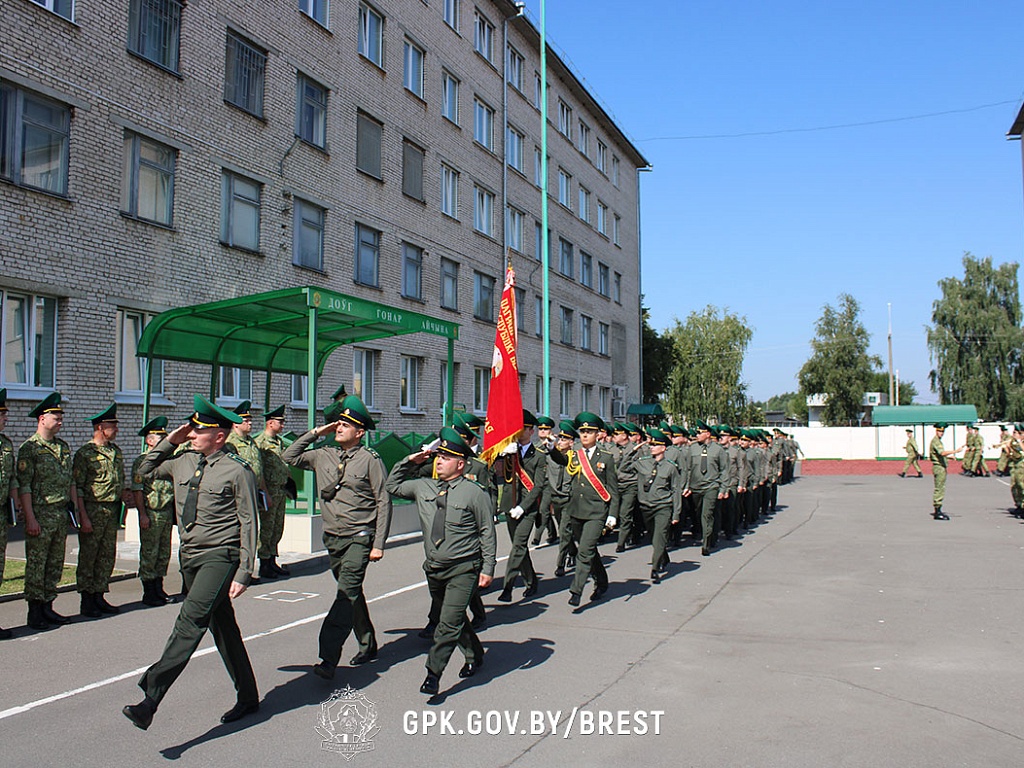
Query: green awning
{"x":886,"y":415}
{"x":644,"y":409}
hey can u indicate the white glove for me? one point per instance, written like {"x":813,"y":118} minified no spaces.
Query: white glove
{"x":431,"y":446}
{"x":610,"y":521}
{"x":511,"y":449}
{"x":516,"y":512}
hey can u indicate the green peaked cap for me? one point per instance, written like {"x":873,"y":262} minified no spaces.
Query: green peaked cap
{"x":156,"y":426}
{"x":49,"y":404}
{"x":208,"y":414}
{"x":107,"y":414}
{"x":354,"y":412}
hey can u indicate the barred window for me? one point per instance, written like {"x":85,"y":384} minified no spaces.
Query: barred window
{"x":244,"y":74}
{"x":154,"y":31}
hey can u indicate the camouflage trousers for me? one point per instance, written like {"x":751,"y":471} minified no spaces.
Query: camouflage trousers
{"x":939,"y":476}
{"x":1017,"y":484}
{"x":272,"y":526}
{"x":44,"y":554}
{"x":155,"y":544}
{"x":3,"y":549}
{"x":98,"y":550}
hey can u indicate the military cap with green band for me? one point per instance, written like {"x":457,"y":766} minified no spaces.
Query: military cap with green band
{"x":207,"y":415}
{"x":107,"y":414}
{"x":657,"y":437}
{"x":545,"y":421}
{"x":354,"y":412}
{"x":277,"y":413}
{"x":3,"y":399}
{"x":155,"y":426}
{"x":567,"y":429}
{"x":452,"y":444}
{"x":49,"y":404}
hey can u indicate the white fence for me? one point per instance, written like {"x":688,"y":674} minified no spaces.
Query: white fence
{"x":883,"y":442}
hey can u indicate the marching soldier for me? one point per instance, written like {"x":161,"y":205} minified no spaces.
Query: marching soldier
{"x":1003,"y":463}
{"x":545,"y":439}
{"x":98,"y":471}
{"x":660,"y":497}
{"x":560,"y":487}
{"x":8,"y":491}
{"x":154,"y":499}
{"x":705,"y":473}
{"x":938,"y":455}
{"x":912,"y":455}
{"x":46,"y":487}
{"x":626,"y":455}
{"x":240,"y":440}
{"x":1015,"y":463}
{"x":275,"y":477}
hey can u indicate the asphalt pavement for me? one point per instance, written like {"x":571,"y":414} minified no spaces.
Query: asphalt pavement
{"x":849,"y":629}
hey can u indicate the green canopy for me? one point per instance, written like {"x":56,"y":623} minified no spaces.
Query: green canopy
{"x":886,"y":415}
{"x":645,"y":409}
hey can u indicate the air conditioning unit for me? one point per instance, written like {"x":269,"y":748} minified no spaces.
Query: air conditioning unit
{"x":619,"y":393}
{"x":618,"y":409}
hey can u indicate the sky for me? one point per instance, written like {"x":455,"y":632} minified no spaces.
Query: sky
{"x":802,"y":150}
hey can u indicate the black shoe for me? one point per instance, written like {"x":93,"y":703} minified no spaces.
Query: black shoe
{"x":280,"y":570}
{"x":158,"y":590}
{"x":531,"y":588}
{"x":140,"y":714}
{"x":941,"y":516}
{"x":506,"y":595}
{"x":469,"y":669}
{"x":903,"y":474}
{"x":325,"y":670}
{"x":598,"y":592}
{"x":535,"y":541}
{"x":620,"y":548}
{"x":363,"y":657}
{"x":240,"y":710}
{"x":5,"y":634}
{"x":705,"y":551}
{"x":552,"y":540}
{"x":655,"y":576}
{"x":36,"y":619}
{"x":574,"y":599}
{"x":266,"y":571}
{"x":52,"y":616}
{"x":103,"y":605}
{"x":431,"y":684}
{"x":427,"y":633}
{"x":570,"y":563}
{"x":89,"y":608}
{"x":559,"y":571}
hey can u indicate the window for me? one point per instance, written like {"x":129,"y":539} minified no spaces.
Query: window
{"x":615,"y":170}
{"x":603,"y":282}
{"x":130,"y":371}
{"x":565,"y":119}
{"x":481,"y":387}
{"x":449,"y":191}
{"x":603,"y":398}
{"x":413,"y":78}
{"x":538,"y":241}
{"x":564,"y":188}
{"x":154,"y":31}
{"x":449,"y":284}
{"x":147,"y":190}
{"x":538,"y":315}
{"x":565,"y":399}
{"x":515,"y":69}
{"x":362,"y":375}
{"x":586,"y":396}
{"x":616,"y":223}
{"x":617,"y":288}
{"x":311,"y":112}
{"x":245,"y":67}
{"x":235,"y":386}
{"x":29,"y":340}
{"x":583,"y":138}
{"x":514,"y":229}
{"x":584,"y":199}
{"x":408,"y":398}
{"x":483,"y":211}
{"x":449,"y":96}
{"x":537,"y":90}
{"x":34,"y":140}
{"x":443,"y":389}
{"x":602,"y":338}
{"x":483,"y":37}
{"x":586,"y":269}
{"x":566,"y":329}
{"x":368,"y":136}
{"x":239,"y":212}
{"x":565,"y":257}
{"x":483,"y":297}
{"x":451,"y":13}
{"x":602,"y":218}
{"x":308,"y":245}
{"x":412,"y":271}
{"x":483,"y":124}
{"x":367,"y":255}
{"x":602,"y":156}
{"x":585,"y":326}
{"x":63,"y":8}
{"x":514,"y":142}
{"x":412,"y":170}
{"x":538,"y":166}
{"x":318,"y":11}
{"x":371,"y":35}
{"x":520,"y":308}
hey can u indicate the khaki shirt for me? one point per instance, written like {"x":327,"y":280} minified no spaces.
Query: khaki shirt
{"x":659,"y":485}
{"x":44,"y":470}
{"x":911,"y":448}
{"x":275,"y":471}
{"x":361,"y":506}
{"x":159,"y":494}
{"x":935,"y":450}
{"x":98,"y":471}
{"x":715,"y":479}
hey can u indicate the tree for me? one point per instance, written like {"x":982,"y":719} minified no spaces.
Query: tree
{"x":793,"y":404}
{"x":657,"y":360}
{"x":839,"y":367}
{"x":705,"y":381}
{"x":976,"y":342}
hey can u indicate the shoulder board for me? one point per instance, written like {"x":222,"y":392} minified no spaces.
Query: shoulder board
{"x":371,"y":452}
{"x":240,"y":460}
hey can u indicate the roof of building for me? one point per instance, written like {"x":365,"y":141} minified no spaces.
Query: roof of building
{"x":884,"y":415}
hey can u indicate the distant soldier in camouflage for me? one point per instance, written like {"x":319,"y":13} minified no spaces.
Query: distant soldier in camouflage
{"x":98,"y":471}
{"x":1003,"y":463}
{"x":8,"y":490}
{"x":1015,"y":463}
{"x":46,"y":488}
{"x":913,"y":455}
{"x":154,"y":499}
{"x":275,"y":477}
{"x":241,"y":442}
{"x":938,"y":456}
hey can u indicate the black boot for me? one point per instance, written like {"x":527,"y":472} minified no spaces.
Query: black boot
{"x":506,"y":594}
{"x":266,"y":570}
{"x":281,"y":570}
{"x":52,"y":616}
{"x":5,"y":634}
{"x":103,"y":605}
{"x":36,"y":619}
{"x":150,"y":596}
{"x":89,"y":608}
{"x":158,"y":590}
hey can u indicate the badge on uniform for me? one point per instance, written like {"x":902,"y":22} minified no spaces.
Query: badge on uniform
{"x":600,"y":465}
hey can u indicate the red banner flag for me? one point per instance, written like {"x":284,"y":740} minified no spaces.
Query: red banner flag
{"x":504,"y":400}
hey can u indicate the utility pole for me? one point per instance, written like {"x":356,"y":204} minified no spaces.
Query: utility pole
{"x":892,"y":391}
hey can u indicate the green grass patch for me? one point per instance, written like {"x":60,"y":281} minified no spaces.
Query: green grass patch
{"x":14,"y":577}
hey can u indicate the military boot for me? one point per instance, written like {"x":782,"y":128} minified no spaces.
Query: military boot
{"x":280,"y":570}
{"x":150,"y":596}
{"x":89,"y":608}
{"x":103,"y":605}
{"x":158,"y":590}
{"x":266,"y":570}
{"x":36,"y":620}
{"x":52,"y":616}
{"x":5,"y":634}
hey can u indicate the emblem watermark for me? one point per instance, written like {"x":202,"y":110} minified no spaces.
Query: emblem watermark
{"x":347,"y":723}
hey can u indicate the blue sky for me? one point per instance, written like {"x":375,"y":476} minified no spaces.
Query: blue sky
{"x":773,"y":212}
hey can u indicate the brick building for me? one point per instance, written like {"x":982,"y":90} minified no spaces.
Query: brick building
{"x":159,"y":153}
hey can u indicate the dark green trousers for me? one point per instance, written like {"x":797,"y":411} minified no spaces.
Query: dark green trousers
{"x":206,"y":578}
{"x":586,"y":534}
{"x":454,"y":586}
{"x":659,"y":521}
{"x":704,"y":504}
{"x":566,"y":546}
{"x":519,"y":561}
{"x":349,"y":613}
{"x":627,"y":509}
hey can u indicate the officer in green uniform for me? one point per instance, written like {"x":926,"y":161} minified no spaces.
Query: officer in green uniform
{"x":98,"y":471}
{"x":154,"y":499}
{"x":46,"y":488}
{"x":9,"y":503}
{"x":705,"y":472}
{"x":593,"y":502}
{"x":241,"y":441}
{"x":457,"y":519}
{"x":275,"y":477}
{"x":356,"y":514}
{"x":913,"y":454}
{"x":543,"y":440}
{"x":560,"y":487}
{"x":215,"y":501}
{"x":660,"y":495}
{"x":627,"y":453}
{"x":937,"y":455}
{"x":521,"y":475}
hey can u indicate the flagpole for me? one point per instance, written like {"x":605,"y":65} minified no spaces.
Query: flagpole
{"x":545,"y":245}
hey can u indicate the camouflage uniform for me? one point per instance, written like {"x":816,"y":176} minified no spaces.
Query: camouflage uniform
{"x":98,"y":471}
{"x":44,"y":472}
{"x":247,"y":448}
{"x":155,"y":541}
{"x":6,"y":484}
{"x":1015,"y":460}
{"x":275,"y":475}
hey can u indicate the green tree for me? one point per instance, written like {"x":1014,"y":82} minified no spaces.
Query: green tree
{"x":657,"y":360}
{"x":840,"y":366}
{"x":793,"y":404}
{"x":976,"y":341}
{"x":706,"y":378}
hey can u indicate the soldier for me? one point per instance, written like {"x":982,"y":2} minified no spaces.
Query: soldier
{"x":8,"y":491}
{"x":937,"y":455}
{"x":1015,"y":463}
{"x":660,"y":497}
{"x":457,"y":520}
{"x":912,"y":455}
{"x":98,"y":471}
{"x":215,"y":500}
{"x":626,"y":454}
{"x":46,"y":488}
{"x":468,"y":427}
{"x":593,"y":502}
{"x":1003,"y":463}
{"x":978,"y":466}
{"x":560,"y":485}
{"x":275,"y":478}
{"x":730,"y":504}
{"x":544,"y":440}
{"x":969,"y":448}
{"x":356,"y":516}
{"x":705,"y":473}
{"x":240,"y":440}
{"x":154,"y":499}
